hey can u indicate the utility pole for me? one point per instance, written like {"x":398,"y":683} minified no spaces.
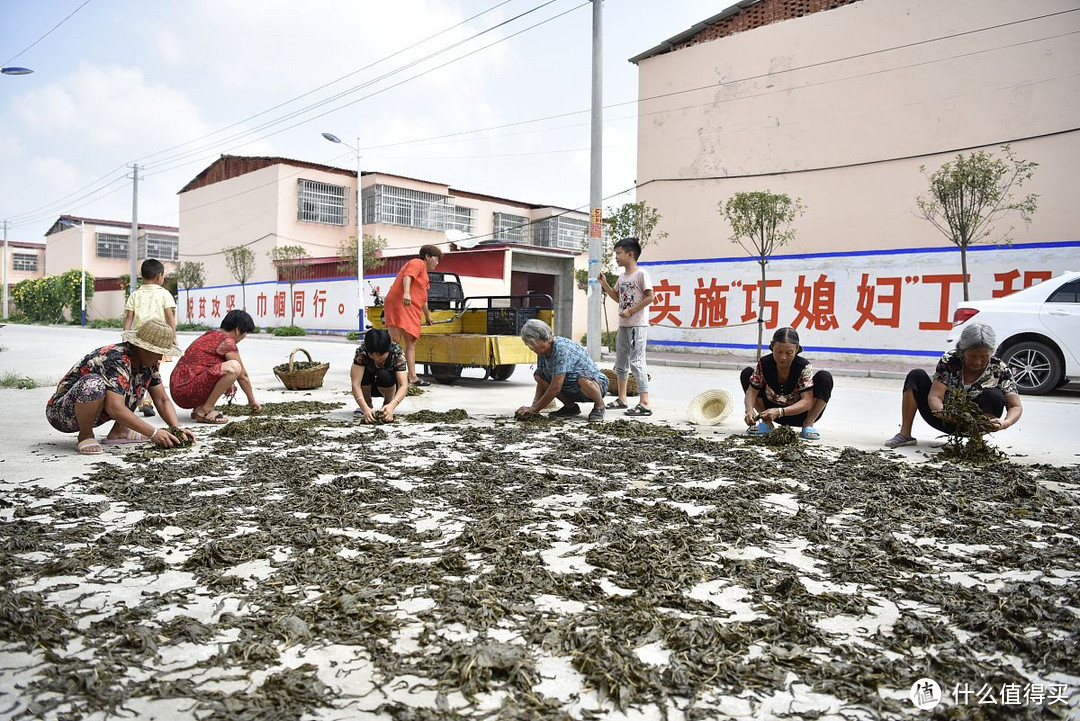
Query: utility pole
{"x":4,"y":261}
{"x":596,"y":214}
{"x":133,"y":245}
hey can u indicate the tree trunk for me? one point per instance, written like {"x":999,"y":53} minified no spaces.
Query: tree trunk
{"x":292,"y":307}
{"x":761,"y":311}
{"x":243,"y":295}
{"x":963,"y":269}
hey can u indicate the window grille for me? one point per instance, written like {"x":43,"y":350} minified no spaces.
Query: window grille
{"x":322,"y":203}
{"x":460,"y":218}
{"x":112,"y":245}
{"x":570,"y":232}
{"x":404,"y":206}
{"x":512,"y":228}
{"x":24,"y":261}
{"x":161,"y":247}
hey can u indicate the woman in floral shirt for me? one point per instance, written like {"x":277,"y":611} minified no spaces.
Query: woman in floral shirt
{"x":109,"y":383}
{"x":784,"y":388}
{"x":985,"y":378}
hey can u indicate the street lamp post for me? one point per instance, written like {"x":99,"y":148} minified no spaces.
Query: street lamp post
{"x":359,"y":227}
{"x":15,"y":70}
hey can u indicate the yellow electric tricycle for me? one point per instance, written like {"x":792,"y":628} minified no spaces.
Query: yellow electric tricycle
{"x":473,"y":332}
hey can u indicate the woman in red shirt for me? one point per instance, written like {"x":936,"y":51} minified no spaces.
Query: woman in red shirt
{"x":210,"y":366}
{"x":406,"y":304}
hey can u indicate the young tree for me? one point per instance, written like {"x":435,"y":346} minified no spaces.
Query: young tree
{"x":290,"y":263}
{"x":373,"y":246}
{"x":969,"y":193}
{"x":190,"y":274}
{"x":638,"y":220}
{"x":760,"y":223}
{"x":240,"y":260}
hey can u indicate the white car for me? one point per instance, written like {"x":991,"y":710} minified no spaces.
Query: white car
{"x":1038,"y":331}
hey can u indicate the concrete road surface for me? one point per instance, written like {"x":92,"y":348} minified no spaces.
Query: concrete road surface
{"x":863,"y":412}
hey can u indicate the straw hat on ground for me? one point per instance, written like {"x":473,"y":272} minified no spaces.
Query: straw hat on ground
{"x":154,"y":336}
{"x":711,"y":407}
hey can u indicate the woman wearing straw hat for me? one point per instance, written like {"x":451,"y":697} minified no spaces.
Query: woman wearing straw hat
{"x":107,"y":385}
{"x":784,"y":388}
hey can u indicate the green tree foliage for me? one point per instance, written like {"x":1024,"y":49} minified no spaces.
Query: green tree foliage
{"x":969,"y":193}
{"x":240,"y":260}
{"x":290,"y":261}
{"x":69,"y":287}
{"x":39,"y":299}
{"x":761,"y":222}
{"x":373,"y":246}
{"x":43,"y":300}
{"x":190,"y":274}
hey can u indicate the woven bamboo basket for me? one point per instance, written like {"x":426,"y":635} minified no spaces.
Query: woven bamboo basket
{"x":301,"y":379}
{"x":613,"y":387}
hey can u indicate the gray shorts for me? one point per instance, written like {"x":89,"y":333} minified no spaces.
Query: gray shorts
{"x":630,"y":355}
{"x":572,"y":389}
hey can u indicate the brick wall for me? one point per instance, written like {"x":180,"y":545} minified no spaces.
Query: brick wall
{"x":762,"y":13}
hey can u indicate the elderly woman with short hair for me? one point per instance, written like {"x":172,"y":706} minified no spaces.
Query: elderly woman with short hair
{"x":565,"y":371}
{"x":971,"y":366}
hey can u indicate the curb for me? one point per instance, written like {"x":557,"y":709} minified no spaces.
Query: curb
{"x":739,"y":365}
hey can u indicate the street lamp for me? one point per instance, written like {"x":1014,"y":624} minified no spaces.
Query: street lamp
{"x":15,"y":70}
{"x":359,"y":226}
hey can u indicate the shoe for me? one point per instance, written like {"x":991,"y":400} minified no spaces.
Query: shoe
{"x":900,"y":440}
{"x":616,"y":404}
{"x":566,"y":411}
{"x":761,"y":429}
{"x":596,"y":414}
{"x":420,"y":383}
{"x":810,"y":434}
{"x":638,"y":410}
{"x":148,"y":411}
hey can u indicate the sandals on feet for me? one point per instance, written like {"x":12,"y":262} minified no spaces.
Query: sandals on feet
{"x":810,"y":434}
{"x":214,"y":417}
{"x":761,"y":429}
{"x":900,"y":440}
{"x":616,"y":404}
{"x":420,"y":383}
{"x":89,"y":447}
{"x":639,"y":410}
{"x":129,"y":437}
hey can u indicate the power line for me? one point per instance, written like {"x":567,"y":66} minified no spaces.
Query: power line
{"x":54,"y":27}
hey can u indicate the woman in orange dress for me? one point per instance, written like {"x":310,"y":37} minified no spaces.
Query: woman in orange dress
{"x":406,"y":305}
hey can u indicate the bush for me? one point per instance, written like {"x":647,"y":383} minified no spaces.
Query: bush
{"x":40,"y":299}
{"x":192,"y":326}
{"x":355,"y":335}
{"x":607,"y":338}
{"x":288,"y":330}
{"x":10,"y":379}
{"x":105,"y":323}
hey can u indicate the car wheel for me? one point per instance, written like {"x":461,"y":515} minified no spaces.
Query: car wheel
{"x":501,"y":373}
{"x":1035,"y":366}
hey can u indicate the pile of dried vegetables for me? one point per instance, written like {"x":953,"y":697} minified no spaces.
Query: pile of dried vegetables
{"x":299,"y":567}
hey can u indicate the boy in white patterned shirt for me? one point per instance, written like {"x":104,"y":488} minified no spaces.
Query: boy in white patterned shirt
{"x":634,"y":294}
{"x":150,"y":301}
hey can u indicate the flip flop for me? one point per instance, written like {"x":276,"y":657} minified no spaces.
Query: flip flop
{"x":616,"y":404}
{"x":639,"y":410}
{"x":215,"y":417}
{"x":420,"y":383}
{"x":130,"y":437}
{"x":89,"y":447}
{"x":809,"y":434}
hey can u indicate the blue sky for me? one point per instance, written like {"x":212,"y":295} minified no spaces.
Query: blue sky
{"x":174,"y":85}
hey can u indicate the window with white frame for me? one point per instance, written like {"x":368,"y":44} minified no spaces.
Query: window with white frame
{"x":461,"y":218}
{"x":405,"y":206}
{"x":322,"y":203}
{"x":512,"y":228}
{"x":112,"y":245}
{"x":24,"y":261}
{"x":161,"y":247}
{"x":559,"y":232}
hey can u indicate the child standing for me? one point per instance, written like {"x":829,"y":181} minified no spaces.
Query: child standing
{"x":150,"y":301}
{"x":633,"y":292}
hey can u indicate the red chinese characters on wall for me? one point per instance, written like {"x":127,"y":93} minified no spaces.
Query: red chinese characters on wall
{"x":878,"y":300}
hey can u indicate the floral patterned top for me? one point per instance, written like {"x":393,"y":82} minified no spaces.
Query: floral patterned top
{"x":113,"y":363}
{"x":766,"y":377}
{"x":395,"y":361}
{"x":950,"y":371}
{"x":205,"y":352}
